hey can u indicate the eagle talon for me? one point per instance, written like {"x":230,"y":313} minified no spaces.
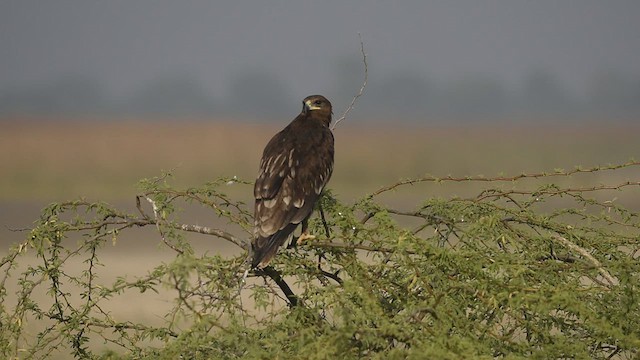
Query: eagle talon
{"x":304,"y":237}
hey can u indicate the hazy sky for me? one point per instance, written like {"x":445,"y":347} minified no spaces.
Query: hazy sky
{"x":126,"y":43}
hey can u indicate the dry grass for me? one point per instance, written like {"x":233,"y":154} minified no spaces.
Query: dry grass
{"x":61,"y":160}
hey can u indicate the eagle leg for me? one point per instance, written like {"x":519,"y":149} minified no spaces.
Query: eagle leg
{"x":304,"y":237}
{"x":305,"y":232}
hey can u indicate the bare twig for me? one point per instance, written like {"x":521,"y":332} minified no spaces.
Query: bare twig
{"x":140,"y":209}
{"x":203,"y":200}
{"x":554,"y":192}
{"x":277,"y":278}
{"x":334,"y":276}
{"x":211,"y":231}
{"x":158,"y":219}
{"x":364,"y":85}
{"x":183,"y":299}
{"x":324,"y":220}
{"x":17,"y":229}
{"x":205,"y":230}
{"x":509,"y":178}
{"x":572,"y":246}
{"x":111,"y":325}
{"x":346,"y":246}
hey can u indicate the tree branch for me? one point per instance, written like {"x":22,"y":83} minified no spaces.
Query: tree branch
{"x":364,"y":85}
{"x":505,"y":178}
{"x":157,"y":222}
{"x":572,"y":246}
{"x":211,"y":231}
{"x":276,"y":276}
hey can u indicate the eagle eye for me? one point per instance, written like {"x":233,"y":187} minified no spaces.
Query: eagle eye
{"x":317,"y":102}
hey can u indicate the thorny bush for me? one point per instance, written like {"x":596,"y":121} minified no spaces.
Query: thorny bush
{"x":526,"y":268}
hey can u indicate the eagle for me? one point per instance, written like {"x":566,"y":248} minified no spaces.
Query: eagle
{"x":296,"y":165}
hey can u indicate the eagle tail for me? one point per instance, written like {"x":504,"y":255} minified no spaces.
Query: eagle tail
{"x":265,"y":248}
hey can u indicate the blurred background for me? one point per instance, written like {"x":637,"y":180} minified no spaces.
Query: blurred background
{"x":254,"y":60}
{"x":97,"y":95}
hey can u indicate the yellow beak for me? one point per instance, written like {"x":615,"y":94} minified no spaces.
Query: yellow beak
{"x":311,"y":106}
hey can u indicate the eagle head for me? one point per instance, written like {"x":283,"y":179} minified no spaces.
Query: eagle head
{"x":317,"y":104}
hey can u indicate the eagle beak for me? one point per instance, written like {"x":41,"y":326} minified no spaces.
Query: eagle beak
{"x":311,"y":106}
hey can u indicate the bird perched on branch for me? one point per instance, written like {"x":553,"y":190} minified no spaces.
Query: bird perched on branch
{"x":295,"y":167}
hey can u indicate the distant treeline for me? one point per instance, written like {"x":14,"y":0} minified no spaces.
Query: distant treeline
{"x":404,"y":94}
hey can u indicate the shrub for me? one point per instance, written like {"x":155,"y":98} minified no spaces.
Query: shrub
{"x":526,"y":268}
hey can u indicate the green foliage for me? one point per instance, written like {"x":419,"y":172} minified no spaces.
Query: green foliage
{"x":527,"y":268}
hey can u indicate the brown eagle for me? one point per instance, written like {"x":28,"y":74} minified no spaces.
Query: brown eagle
{"x":296,"y":165}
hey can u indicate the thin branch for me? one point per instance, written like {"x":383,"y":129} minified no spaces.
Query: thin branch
{"x":277,"y":278}
{"x":564,"y":258}
{"x":202,"y":200}
{"x":113,"y":325}
{"x":504,"y":178}
{"x":324,"y":220}
{"x":367,"y":218}
{"x":164,"y":239}
{"x":140,"y":209}
{"x":205,"y":230}
{"x":185,"y":227}
{"x":364,"y":85}
{"x":572,"y":246}
{"x":183,"y":299}
{"x":554,"y":192}
{"x":17,"y":229}
{"x":334,"y":276}
{"x":211,"y":231}
{"x":345,"y":246}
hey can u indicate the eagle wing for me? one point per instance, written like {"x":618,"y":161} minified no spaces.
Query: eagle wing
{"x":295,"y":167}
